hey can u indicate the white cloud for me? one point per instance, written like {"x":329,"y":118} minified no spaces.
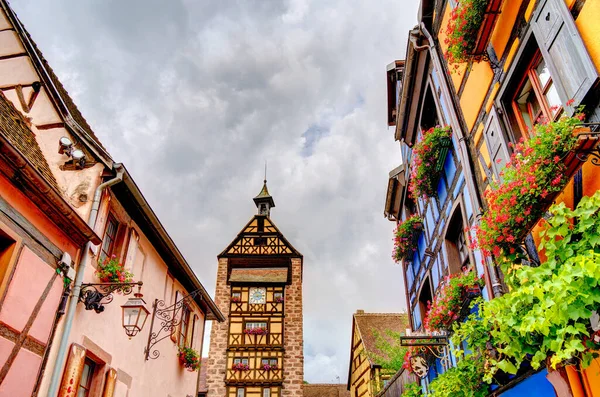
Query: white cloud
{"x":194,"y":96}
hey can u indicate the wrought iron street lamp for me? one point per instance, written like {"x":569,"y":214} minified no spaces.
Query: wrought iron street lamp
{"x":135,"y":315}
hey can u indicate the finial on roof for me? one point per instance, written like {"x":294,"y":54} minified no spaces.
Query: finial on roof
{"x":264,"y":202}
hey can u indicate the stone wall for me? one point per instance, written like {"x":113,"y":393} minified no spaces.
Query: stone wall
{"x":293,"y":371}
{"x":217,"y":356}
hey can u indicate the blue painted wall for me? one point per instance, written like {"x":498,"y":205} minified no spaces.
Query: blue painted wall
{"x":535,"y":386}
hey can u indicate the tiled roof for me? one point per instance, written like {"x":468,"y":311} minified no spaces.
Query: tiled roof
{"x":15,"y":129}
{"x":261,"y":275}
{"x":326,"y":390}
{"x":202,"y":387}
{"x":370,"y":323}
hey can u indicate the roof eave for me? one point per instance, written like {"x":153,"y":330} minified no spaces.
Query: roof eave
{"x":46,"y":197}
{"x":204,"y":300}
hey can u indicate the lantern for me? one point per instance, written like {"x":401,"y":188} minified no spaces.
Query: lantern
{"x":134,"y":315}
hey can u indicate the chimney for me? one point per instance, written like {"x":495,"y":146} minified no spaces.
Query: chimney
{"x":360,"y":311}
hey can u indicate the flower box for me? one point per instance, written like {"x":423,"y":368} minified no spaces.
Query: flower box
{"x":268,"y":367}
{"x":256,"y":331}
{"x":279,"y":299}
{"x":464,"y":30}
{"x":536,"y":174}
{"x":236,"y":299}
{"x":111,"y":271}
{"x":406,"y":237}
{"x":240,"y":367}
{"x":452,"y":301}
{"x":490,"y":16}
{"x":429,"y":156}
{"x":189,"y":358}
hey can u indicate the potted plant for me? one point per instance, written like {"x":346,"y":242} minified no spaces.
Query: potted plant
{"x":256,"y":331}
{"x":236,"y":299}
{"x":405,"y":238}
{"x":240,"y":367}
{"x":462,"y":30}
{"x":429,"y":155}
{"x":453,"y":296}
{"x":111,"y":271}
{"x":279,"y":299}
{"x":189,"y":358}
{"x":538,"y":170}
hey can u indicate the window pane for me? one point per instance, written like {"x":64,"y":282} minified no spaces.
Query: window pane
{"x":240,"y":392}
{"x":245,"y":361}
{"x":273,"y":361}
{"x":267,"y":393}
{"x":553,"y":99}
{"x":237,"y":360}
{"x":543,"y":73}
{"x":265,"y":361}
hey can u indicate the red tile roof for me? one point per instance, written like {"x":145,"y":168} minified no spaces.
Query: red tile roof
{"x":370,"y":324}
{"x":261,"y":275}
{"x":15,"y":129}
{"x":325,"y":390}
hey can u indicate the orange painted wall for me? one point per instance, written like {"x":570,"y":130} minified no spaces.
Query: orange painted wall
{"x":589,"y":28}
{"x":504,"y":26}
{"x":476,"y":88}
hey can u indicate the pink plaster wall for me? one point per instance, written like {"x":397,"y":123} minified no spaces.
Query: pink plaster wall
{"x":36,"y":217}
{"x":20,"y":380}
{"x":31,"y":276}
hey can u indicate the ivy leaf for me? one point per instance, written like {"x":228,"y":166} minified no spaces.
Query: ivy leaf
{"x":507,"y":366}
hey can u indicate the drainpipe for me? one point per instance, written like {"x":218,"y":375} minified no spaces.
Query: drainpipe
{"x":64,"y":339}
{"x":464,"y":151}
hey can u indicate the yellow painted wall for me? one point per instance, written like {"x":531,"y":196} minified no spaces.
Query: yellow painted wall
{"x":360,"y":378}
{"x":477,"y":86}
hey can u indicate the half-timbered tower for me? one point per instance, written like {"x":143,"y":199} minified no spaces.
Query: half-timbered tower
{"x":258,"y":351}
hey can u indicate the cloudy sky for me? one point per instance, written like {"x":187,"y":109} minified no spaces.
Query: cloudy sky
{"x":193,"y":96}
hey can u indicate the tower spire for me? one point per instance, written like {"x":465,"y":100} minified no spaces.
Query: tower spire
{"x":264,"y":202}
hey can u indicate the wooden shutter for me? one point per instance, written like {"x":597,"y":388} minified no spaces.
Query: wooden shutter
{"x":192,"y":331}
{"x":73,"y":370}
{"x":111,"y":381}
{"x":561,"y":45}
{"x":496,"y":143}
{"x":175,"y":331}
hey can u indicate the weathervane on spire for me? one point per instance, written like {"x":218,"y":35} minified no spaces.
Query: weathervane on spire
{"x":264,"y":202}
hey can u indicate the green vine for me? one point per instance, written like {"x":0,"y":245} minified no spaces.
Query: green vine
{"x":412,"y":390}
{"x":545,"y":316}
{"x":391,"y":354}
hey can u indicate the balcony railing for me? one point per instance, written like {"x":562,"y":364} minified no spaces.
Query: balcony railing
{"x":254,"y":376}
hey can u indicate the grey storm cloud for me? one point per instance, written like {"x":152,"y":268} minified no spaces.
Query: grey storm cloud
{"x":194,"y":96}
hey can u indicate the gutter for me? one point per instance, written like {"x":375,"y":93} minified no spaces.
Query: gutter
{"x":66,"y":331}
